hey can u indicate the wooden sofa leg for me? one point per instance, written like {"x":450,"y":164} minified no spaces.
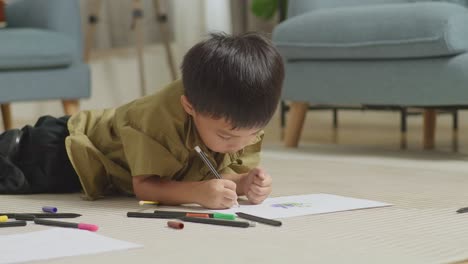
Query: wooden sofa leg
{"x":403,"y":129}
{"x":429,"y":128}
{"x":455,"y":131}
{"x":6,"y":115}
{"x":70,"y":107}
{"x":295,"y":123}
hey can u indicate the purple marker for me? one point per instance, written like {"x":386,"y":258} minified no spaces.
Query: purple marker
{"x":49,"y":209}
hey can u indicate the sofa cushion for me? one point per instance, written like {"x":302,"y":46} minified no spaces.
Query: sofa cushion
{"x":411,"y":30}
{"x":27,"y":48}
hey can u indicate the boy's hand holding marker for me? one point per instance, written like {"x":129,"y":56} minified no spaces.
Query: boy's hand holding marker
{"x":218,"y":194}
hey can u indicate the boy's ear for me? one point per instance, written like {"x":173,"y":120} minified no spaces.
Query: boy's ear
{"x":187,"y":105}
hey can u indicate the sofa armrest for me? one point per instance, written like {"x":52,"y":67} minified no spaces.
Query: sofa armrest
{"x":62,"y":16}
{"x":460,"y":2}
{"x":299,"y":7}
{"x":394,"y":31}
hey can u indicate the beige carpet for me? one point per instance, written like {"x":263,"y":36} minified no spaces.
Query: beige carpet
{"x":422,"y":227}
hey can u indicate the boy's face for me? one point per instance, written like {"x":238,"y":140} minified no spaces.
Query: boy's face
{"x":217,"y":134}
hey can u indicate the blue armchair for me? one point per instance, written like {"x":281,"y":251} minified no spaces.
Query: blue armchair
{"x":402,"y":53}
{"x":41,"y":55}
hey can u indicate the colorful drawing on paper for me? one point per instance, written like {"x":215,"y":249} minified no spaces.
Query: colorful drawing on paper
{"x":308,"y":204}
{"x":291,"y":205}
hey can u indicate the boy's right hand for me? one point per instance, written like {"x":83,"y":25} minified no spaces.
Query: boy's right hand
{"x":218,"y":194}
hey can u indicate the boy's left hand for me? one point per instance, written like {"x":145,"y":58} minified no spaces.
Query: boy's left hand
{"x":257,"y":185}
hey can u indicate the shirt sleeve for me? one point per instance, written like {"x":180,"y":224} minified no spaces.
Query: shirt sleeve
{"x":147,"y":156}
{"x":248,"y":159}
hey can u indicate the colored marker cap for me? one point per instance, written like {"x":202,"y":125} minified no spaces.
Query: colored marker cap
{"x":88,"y":227}
{"x":148,"y":202}
{"x":175,"y":224}
{"x":49,"y":209}
{"x":224,"y":216}
{"x":3,"y":218}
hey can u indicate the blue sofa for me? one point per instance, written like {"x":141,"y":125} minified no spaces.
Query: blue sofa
{"x":41,"y":55}
{"x":404,"y":53}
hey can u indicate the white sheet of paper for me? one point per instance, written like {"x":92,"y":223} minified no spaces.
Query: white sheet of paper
{"x":55,"y":243}
{"x":289,"y":206}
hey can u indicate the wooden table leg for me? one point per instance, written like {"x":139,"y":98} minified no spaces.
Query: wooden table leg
{"x":161,"y":19}
{"x":137,"y":23}
{"x":429,"y":128}
{"x":93,"y":18}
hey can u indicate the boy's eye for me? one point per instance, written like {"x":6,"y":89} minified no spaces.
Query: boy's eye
{"x":224,"y":137}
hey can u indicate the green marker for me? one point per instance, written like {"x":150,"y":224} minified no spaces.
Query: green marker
{"x":177,"y":214}
{"x":223,"y":216}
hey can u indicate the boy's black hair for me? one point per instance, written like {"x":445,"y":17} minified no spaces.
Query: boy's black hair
{"x":238,"y":78}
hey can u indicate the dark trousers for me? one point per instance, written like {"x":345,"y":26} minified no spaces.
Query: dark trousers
{"x":42,"y":164}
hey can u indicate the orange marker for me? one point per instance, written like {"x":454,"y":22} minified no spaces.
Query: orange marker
{"x":175,"y":224}
{"x":197,"y":215}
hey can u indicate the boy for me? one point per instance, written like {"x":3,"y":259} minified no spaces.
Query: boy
{"x":229,"y":91}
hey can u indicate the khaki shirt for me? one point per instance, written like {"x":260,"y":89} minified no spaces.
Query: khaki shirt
{"x":149,"y":136}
